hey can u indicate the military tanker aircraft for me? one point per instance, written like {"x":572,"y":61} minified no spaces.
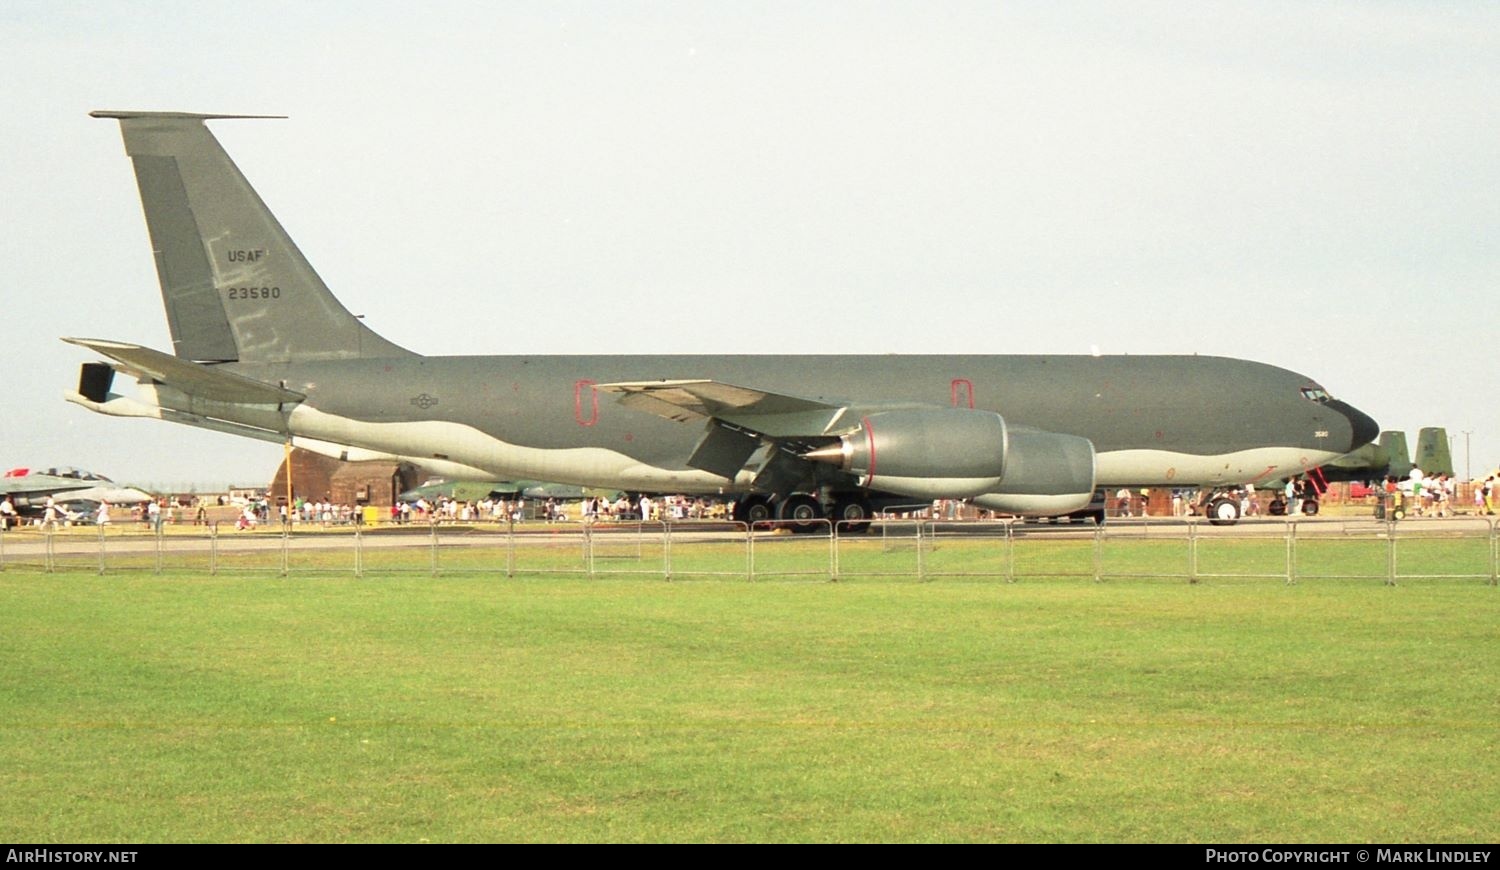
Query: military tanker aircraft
{"x":262,"y":348}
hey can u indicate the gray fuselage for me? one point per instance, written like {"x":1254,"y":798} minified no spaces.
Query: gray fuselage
{"x":1153,"y":420}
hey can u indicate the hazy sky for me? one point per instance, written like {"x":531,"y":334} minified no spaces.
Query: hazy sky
{"x":1312,"y":185}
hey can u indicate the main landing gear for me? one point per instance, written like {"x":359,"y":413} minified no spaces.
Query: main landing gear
{"x":850,"y":514}
{"x":802,"y":512}
{"x":754,"y":509}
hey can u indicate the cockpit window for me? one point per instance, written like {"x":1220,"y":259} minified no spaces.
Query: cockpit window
{"x":1316,"y":394}
{"x":76,"y":474}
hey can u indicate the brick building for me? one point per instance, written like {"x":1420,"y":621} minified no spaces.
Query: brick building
{"x":317,"y":477}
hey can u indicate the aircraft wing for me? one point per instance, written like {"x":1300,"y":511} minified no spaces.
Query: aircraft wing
{"x":27,"y":485}
{"x":194,"y":379}
{"x":741,"y":422}
{"x":771,"y":414}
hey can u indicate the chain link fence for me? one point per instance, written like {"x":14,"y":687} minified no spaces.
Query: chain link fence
{"x":1287,"y":550}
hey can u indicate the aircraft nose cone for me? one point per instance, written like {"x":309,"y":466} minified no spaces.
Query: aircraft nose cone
{"x":1362,"y":427}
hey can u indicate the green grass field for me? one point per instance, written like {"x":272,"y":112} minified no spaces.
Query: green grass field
{"x":471,"y":707}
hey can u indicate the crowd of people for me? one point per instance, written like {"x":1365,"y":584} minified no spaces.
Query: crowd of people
{"x":647,"y":509}
{"x":1424,"y":496}
{"x":1416,"y":494}
{"x":590,"y":509}
{"x":1421,"y":495}
{"x":450,"y":510}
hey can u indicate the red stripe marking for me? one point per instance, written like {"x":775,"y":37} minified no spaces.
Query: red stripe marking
{"x":968,"y":391}
{"x":869,"y":440}
{"x":578,"y":387}
{"x":1264,"y":474}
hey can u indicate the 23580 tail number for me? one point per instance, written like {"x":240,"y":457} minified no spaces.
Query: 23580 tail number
{"x":254,"y":292}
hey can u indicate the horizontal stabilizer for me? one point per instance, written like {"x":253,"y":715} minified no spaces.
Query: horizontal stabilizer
{"x":124,"y":406}
{"x":191,"y":378}
{"x":183,"y":116}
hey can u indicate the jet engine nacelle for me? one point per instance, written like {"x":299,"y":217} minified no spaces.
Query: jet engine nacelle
{"x":928,"y":453}
{"x":963,"y":453}
{"x":1046,"y":474}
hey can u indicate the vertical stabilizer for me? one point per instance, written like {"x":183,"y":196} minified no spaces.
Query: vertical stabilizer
{"x":234,"y":284}
{"x":1433,"y":455}
{"x":1394,"y":442}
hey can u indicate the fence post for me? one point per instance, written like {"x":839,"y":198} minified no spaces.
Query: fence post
{"x":359,"y":552}
{"x":1291,"y":552}
{"x":838,"y":562}
{"x":510,"y":550}
{"x":750,"y":551}
{"x":213,"y":550}
{"x":1390,"y":552}
{"x":1494,"y":555}
{"x":921,"y":562}
{"x":433,"y":548}
{"x":286,"y":543}
{"x":588,"y":552}
{"x":1010,"y":551}
{"x":583,"y":547}
{"x":1192,"y":525}
{"x":833,"y":554}
{"x":101,"y":551}
{"x":666,"y":549}
{"x":1098,"y":554}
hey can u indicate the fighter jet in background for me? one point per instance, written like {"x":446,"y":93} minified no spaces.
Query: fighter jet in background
{"x":261,"y":348}
{"x":29,"y":490}
{"x":1392,"y":458}
{"x":477,"y":490}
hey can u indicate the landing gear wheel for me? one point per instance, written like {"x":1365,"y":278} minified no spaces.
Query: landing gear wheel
{"x":753,"y":509}
{"x":1310,"y":507}
{"x":851,"y":515}
{"x":1223,"y":512}
{"x":802,"y":512}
